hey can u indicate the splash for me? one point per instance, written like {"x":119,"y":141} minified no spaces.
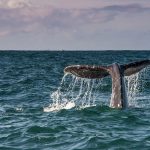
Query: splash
{"x":75,"y":92}
{"x":79,"y":93}
{"x":132,"y":84}
{"x":136,"y":87}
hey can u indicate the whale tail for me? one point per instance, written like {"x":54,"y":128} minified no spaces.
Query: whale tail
{"x":93,"y":72}
{"x":117,"y":72}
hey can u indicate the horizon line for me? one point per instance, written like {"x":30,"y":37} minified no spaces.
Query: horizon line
{"x":74,"y":50}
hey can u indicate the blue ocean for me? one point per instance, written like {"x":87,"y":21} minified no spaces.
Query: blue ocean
{"x":41,"y":108}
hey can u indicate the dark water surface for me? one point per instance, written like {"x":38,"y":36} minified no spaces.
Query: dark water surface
{"x":28,"y":78}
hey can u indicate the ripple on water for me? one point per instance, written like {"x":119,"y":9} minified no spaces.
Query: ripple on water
{"x":38,"y":129}
{"x":27,"y":79}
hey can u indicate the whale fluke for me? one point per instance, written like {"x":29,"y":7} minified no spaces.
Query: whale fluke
{"x":117,"y":73}
{"x":85,"y":71}
{"x":134,"y":67}
{"x":92,"y":72}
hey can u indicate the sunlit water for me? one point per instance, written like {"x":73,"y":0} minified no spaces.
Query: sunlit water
{"x":41,"y":108}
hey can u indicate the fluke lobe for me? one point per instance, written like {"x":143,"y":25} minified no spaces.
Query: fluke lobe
{"x":117,"y":72}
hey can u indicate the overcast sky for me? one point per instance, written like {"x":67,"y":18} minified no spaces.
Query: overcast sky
{"x":75,"y":24}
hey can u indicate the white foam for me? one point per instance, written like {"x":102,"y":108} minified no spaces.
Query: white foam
{"x":19,"y":109}
{"x":58,"y":107}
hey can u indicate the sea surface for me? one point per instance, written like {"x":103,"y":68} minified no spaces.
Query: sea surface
{"x":31,"y":82}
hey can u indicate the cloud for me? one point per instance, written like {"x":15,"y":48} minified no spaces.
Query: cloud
{"x":13,"y":4}
{"x":126,"y":8}
{"x":23,"y":16}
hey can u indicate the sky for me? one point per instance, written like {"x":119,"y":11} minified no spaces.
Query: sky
{"x":75,"y":24}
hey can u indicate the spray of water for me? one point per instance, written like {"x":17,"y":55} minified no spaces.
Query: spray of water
{"x":135,"y":85}
{"x":75,"y":92}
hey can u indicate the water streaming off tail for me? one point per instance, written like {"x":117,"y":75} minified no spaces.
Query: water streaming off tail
{"x":137,"y":85}
{"x":81,"y":93}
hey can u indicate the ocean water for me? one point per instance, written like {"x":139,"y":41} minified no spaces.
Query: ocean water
{"x":31,"y":84}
